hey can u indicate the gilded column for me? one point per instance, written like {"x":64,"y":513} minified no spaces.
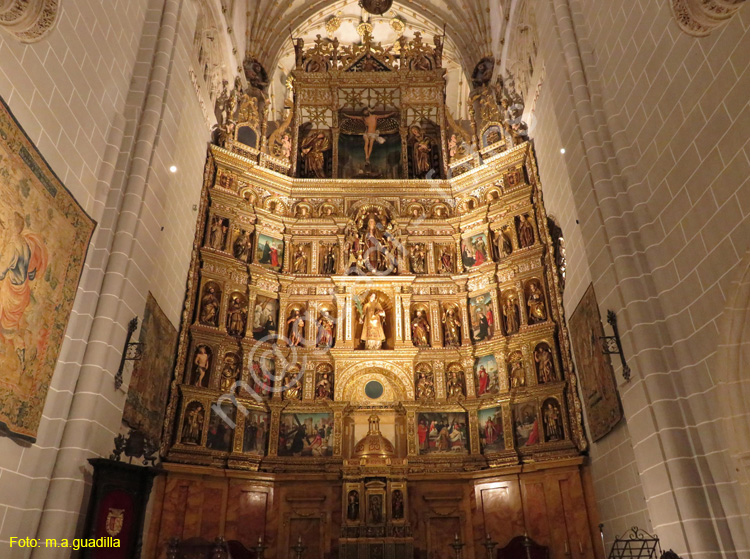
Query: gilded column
{"x":398,"y":321}
{"x":314,"y":257}
{"x":436,"y":330}
{"x":406,"y":305}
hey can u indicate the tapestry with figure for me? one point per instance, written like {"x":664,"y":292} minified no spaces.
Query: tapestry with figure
{"x":44,"y":236}
{"x":149,"y":382}
{"x":598,"y":387}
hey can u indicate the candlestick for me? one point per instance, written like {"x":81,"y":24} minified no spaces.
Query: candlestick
{"x":490,"y":547}
{"x":260,"y":549}
{"x":299,"y":549}
{"x":457,"y":546}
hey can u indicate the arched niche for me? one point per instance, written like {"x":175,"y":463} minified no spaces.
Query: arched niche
{"x":389,"y":325}
{"x":351,"y":382}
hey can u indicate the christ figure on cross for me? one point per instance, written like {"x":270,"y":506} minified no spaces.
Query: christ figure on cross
{"x":371,"y":124}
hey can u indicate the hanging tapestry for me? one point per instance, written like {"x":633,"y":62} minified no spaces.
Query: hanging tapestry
{"x":44,"y":235}
{"x":149,"y":383}
{"x":598,"y":387}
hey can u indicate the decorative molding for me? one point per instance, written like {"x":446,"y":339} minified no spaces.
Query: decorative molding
{"x":29,"y":20}
{"x":700,"y":17}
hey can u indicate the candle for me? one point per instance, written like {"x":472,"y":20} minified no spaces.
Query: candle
{"x":580,"y":546}
{"x":456,"y":537}
{"x":299,"y":540}
{"x":566,"y":547}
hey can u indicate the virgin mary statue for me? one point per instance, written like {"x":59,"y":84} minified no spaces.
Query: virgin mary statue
{"x":372,"y":320}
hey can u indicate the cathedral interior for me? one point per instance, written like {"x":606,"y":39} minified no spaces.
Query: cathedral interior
{"x":374,"y":279}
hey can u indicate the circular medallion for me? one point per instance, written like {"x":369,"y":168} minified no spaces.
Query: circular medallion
{"x":377,"y":7}
{"x":374,"y":389}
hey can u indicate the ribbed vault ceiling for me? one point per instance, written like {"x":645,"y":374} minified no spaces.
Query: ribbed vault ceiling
{"x":468,"y":23}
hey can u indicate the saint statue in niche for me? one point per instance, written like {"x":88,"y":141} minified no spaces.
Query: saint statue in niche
{"x":452,"y":328}
{"x":421,"y":151}
{"x":229,"y":372}
{"x":242,"y":246}
{"x":373,"y":243}
{"x":420,"y":329}
{"x":455,"y":385}
{"x":323,"y":388}
{"x":313,"y":149}
{"x":372,"y":317}
{"x":201,"y":364}
{"x":397,"y":505}
{"x":376,"y":509}
{"x":503,"y":243}
{"x":329,"y":262}
{"x":535,"y":303}
{"x":525,"y":231}
{"x":325,"y":330}
{"x":517,"y":374}
{"x":545,"y":370}
{"x":446,"y":261}
{"x":293,"y":384}
{"x":510,"y":314}
{"x":296,"y":328}
{"x":193,"y":425}
{"x":218,"y":235}
{"x":553,"y":428}
{"x":425,"y":386}
{"x":352,"y":507}
{"x":209,"y":312}
{"x":300,"y":261}
{"x":418,"y":258}
{"x":236,"y":317}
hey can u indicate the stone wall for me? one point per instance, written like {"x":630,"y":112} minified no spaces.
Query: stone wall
{"x":81,"y":94}
{"x":654,"y":123}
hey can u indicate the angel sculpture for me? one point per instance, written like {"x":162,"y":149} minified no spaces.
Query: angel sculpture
{"x":372,"y":128}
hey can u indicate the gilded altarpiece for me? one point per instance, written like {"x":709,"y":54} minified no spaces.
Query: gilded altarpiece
{"x":373,"y":365}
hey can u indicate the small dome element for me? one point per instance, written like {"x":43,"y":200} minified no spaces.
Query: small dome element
{"x":374,"y":448}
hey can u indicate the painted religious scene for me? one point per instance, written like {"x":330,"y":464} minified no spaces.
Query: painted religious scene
{"x":306,"y":434}
{"x":487,"y":379}
{"x":475,"y":251}
{"x":256,"y":433}
{"x":265,"y":317}
{"x":526,"y":425}
{"x":482,"y":318}
{"x":269,"y":252}
{"x":491,"y":435}
{"x":221,"y":427}
{"x":442,"y":433}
